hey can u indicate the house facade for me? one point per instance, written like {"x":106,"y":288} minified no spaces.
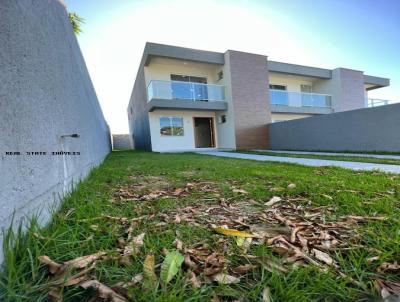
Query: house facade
{"x":186,"y":99}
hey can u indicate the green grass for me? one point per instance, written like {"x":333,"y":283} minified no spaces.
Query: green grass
{"x":329,"y":157}
{"x":71,"y":233}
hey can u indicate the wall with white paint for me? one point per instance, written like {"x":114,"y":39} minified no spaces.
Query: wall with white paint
{"x":186,"y":142}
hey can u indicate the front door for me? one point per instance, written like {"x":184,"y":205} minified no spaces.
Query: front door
{"x":204,"y":132}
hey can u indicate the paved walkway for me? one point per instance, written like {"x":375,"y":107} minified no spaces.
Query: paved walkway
{"x":308,"y":161}
{"x":384,"y":156}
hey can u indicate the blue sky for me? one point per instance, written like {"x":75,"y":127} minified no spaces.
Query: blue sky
{"x":357,"y":34}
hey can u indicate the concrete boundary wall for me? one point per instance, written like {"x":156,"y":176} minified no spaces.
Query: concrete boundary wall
{"x":46,"y":95}
{"x":368,"y":129}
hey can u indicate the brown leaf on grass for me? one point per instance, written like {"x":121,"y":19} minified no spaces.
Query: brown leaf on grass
{"x":223,"y":278}
{"x":103,"y":291}
{"x":239,"y":191}
{"x":149,"y":276}
{"x":294,"y":232}
{"x":177,"y":219}
{"x":372,"y":259}
{"x":389,"y":290}
{"x":53,"y":266}
{"x":55,"y":295}
{"x":242,"y":269}
{"x":134,"y":245}
{"x":189,"y":263}
{"x":386,"y":266}
{"x":272,"y":201}
{"x":324,"y":257}
{"x":84,"y":261}
{"x":178,"y":244}
{"x":192,"y":279}
{"x":272,"y":265}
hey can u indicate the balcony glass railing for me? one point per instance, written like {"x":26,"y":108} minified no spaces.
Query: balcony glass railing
{"x":176,"y":90}
{"x":377,"y":102}
{"x":300,"y":99}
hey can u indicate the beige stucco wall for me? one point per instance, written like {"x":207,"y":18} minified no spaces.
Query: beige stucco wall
{"x":292,"y":83}
{"x":162,"y":143}
{"x":162,"y":68}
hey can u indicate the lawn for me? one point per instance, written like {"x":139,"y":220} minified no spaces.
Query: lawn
{"x":154,"y":228}
{"x":387,"y":161}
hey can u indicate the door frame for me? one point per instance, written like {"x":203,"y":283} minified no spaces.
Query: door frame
{"x":212,"y":130}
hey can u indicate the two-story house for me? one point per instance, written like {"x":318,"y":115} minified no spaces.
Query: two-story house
{"x":186,"y":99}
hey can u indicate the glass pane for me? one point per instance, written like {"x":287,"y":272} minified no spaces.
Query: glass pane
{"x":279,"y":97}
{"x":200,"y":92}
{"x":177,"y":126}
{"x":165,"y":126}
{"x":181,"y":90}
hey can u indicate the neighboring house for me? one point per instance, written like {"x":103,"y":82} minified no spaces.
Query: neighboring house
{"x":188,"y":99}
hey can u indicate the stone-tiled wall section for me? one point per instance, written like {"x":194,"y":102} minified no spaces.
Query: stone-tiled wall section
{"x":350,"y":89}
{"x":250,"y":98}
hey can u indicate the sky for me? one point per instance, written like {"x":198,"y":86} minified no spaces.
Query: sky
{"x":356,"y":34}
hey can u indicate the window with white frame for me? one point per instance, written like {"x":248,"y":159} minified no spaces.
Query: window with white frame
{"x":171,"y":126}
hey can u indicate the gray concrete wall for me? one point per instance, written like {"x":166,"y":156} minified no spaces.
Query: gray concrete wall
{"x":45,"y":92}
{"x":138,"y":116}
{"x":368,"y":129}
{"x":121,"y":142}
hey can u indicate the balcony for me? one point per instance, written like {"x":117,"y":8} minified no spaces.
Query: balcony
{"x":300,"y":102}
{"x":377,"y":102}
{"x":185,"y":95}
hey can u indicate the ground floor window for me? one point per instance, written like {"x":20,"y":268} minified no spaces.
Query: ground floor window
{"x":172,"y":126}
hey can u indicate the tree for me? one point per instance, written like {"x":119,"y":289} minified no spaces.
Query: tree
{"x":76,"y":22}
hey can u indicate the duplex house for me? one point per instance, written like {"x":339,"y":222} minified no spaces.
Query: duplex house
{"x":189,"y":99}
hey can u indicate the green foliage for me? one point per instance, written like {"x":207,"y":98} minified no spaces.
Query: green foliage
{"x":72,"y":234}
{"x":76,"y":22}
{"x":170,"y":267}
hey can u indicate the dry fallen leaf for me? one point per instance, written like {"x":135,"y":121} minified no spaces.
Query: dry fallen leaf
{"x":233,"y":232}
{"x":324,"y":257}
{"x":178,"y":244}
{"x":192,"y":278}
{"x":83,"y":261}
{"x":103,"y":291}
{"x":241,"y":269}
{"x":273,"y":200}
{"x":53,"y":266}
{"x":389,"y":290}
{"x":386,"y":266}
{"x":135,"y":245}
{"x":239,"y":191}
{"x":149,"y":276}
{"x":223,"y":278}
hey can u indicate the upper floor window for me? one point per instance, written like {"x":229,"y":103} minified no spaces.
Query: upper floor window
{"x":171,"y":126}
{"x":277,"y":87}
{"x":189,"y":87}
{"x":306,"y":88}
